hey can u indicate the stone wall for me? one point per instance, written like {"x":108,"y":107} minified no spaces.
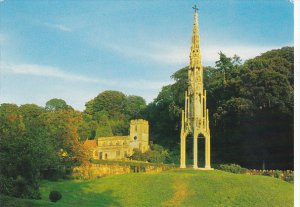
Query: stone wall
{"x":93,"y":171}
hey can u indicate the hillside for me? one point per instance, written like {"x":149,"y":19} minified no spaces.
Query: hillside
{"x":170,"y":188}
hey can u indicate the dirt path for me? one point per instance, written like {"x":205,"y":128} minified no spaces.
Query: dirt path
{"x":181,"y":192}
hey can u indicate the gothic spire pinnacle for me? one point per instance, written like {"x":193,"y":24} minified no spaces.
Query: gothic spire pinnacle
{"x":195,"y":48}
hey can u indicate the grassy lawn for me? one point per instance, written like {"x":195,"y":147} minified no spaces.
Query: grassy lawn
{"x":170,"y":188}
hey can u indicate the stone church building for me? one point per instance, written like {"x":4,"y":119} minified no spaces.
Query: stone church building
{"x":120,"y":147}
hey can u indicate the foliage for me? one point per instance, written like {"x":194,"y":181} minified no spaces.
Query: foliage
{"x":112,"y":111}
{"x":286,"y":175}
{"x":157,"y":154}
{"x":289,"y":178}
{"x":8,"y":201}
{"x":134,"y":106}
{"x":36,"y":143}
{"x":56,"y":104}
{"x":103,"y":127}
{"x":112,"y":102}
{"x":6,"y":185}
{"x":62,"y":125}
{"x":250,"y":105}
{"x":25,"y":149}
{"x":55,"y":196}
{"x":233,"y":168}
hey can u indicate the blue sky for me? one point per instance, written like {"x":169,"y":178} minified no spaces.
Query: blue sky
{"x":76,"y":49}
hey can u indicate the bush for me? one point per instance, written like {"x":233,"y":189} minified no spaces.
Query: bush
{"x":55,"y":196}
{"x":277,"y":174}
{"x":156,"y":154}
{"x":267,"y":173}
{"x":25,"y":189}
{"x":20,"y":187}
{"x":233,"y":168}
{"x":6,"y":185}
{"x":289,"y":176}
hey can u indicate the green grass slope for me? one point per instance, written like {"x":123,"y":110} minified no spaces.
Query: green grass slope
{"x":172,"y":188}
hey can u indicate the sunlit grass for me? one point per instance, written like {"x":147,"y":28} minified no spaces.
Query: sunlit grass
{"x":172,"y":188}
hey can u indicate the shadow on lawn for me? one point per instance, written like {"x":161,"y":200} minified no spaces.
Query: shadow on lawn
{"x":106,"y":199}
{"x":95,"y":198}
{"x":83,"y":194}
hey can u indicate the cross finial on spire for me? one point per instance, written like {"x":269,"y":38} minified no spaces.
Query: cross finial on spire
{"x":195,"y":8}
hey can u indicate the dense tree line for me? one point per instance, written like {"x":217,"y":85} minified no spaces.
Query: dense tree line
{"x":251,"y":111}
{"x":37,"y":143}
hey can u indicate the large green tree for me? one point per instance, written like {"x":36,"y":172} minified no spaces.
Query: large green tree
{"x":56,"y":104}
{"x":25,"y":149}
{"x":251,"y":110}
{"x":118,"y":110}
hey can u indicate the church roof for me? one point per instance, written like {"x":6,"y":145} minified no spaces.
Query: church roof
{"x":90,"y":143}
{"x":114,"y":138}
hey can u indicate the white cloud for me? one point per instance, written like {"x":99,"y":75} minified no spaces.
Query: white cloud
{"x":143,"y":84}
{"x":54,"y":72}
{"x":159,"y":53}
{"x":175,"y":54}
{"x":60,"y":27}
{"x":74,"y":88}
{"x":46,"y":71}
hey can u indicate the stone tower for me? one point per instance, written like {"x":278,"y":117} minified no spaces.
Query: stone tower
{"x":195,"y":120}
{"x":139,"y":134}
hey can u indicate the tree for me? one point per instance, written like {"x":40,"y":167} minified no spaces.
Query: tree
{"x":56,"y":104}
{"x":62,"y":126}
{"x":118,"y":108}
{"x":87,"y":128}
{"x":112,"y":102}
{"x":157,"y":154}
{"x":251,"y":116}
{"x":25,"y":149}
{"x":104,"y":128}
{"x":134,"y":106}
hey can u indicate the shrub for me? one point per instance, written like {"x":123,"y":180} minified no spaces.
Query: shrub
{"x":6,"y":185}
{"x":233,"y":168}
{"x":277,"y":174}
{"x":55,"y":196}
{"x":20,"y":187}
{"x":289,"y":176}
{"x":24,"y":189}
{"x":267,"y":173}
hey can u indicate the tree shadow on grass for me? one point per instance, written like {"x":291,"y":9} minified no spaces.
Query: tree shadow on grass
{"x":104,"y":199}
{"x":83,"y":194}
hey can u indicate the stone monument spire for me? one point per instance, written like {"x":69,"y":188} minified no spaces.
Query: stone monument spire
{"x":195,"y":120}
